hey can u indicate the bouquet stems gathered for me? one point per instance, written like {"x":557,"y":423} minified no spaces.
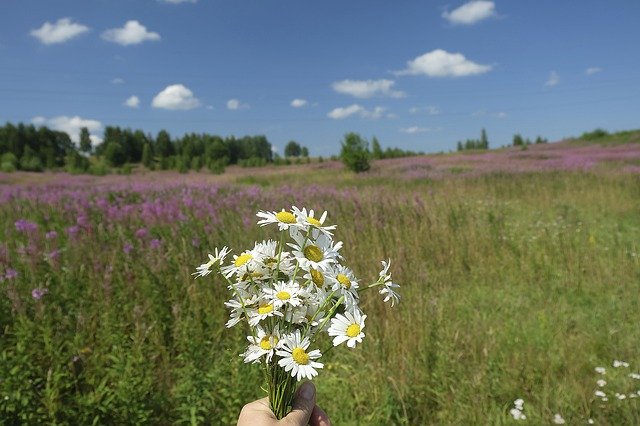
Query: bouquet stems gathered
{"x":289,"y":292}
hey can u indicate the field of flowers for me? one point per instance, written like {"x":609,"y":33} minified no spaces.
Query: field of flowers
{"x":520,"y":274}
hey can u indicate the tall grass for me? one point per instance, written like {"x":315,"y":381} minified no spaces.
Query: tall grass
{"x":514,"y":286}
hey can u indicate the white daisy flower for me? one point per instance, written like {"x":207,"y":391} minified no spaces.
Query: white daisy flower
{"x":601,"y":383}
{"x":307,"y":220}
{"x":557,"y":419}
{"x":600,"y":370}
{"x":621,"y":396}
{"x":320,"y":253}
{"x":284,"y":219}
{"x":519,"y":403}
{"x":347,"y":328}
{"x":215,"y":260}
{"x":344,"y":283}
{"x":617,"y":364}
{"x":241,"y":265}
{"x":316,"y":277}
{"x":600,"y":394}
{"x":284,"y":294}
{"x":388,"y":289}
{"x":517,"y":414}
{"x":237,"y":310}
{"x":635,"y":376}
{"x":262,"y":344}
{"x":296,"y":359}
{"x":264,"y":310}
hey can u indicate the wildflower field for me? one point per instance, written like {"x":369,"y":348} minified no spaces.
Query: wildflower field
{"x":519,"y":273}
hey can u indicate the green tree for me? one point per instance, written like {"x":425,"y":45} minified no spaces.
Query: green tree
{"x":292,"y":149}
{"x":484,"y":142}
{"x":147,"y":158}
{"x":517,"y":140}
{"x":304,"y":151}
{"x":355,"y":153}
{"x":115,"y":154}
{"x":85,"y":140}
{"x":376,"y":149}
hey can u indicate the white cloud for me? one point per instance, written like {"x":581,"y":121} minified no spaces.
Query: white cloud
{"x":298,"y":103}
{"x":71,"y":125}
{"x":440,"y":63}
{"x":174,"y":97}
{"x":132,"y":102}
{"x":471,"y":12}
{"x":592,"y":70}
{"x":414,"y":129}
{"x":485,"y":113}
{"x":117,"y":80}
{"x":367,"y":88}
{"x":133,"y":32}
{"x":234,"y":104}
{"x":430,"y":110}
{"x":553,"y":80}
{"x":355,"y":109}
{"x":63,"y":30}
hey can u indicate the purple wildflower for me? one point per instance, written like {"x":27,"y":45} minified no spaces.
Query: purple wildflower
{"x":10,"y":274}
{"x":142,"y":233}
{"x":127,"y":248}
{"x":23,"y":225}
{"x":155,"y":243}
{"x":51,"y":235}
{"x":195,"y":242}
{"x":37,"y":293}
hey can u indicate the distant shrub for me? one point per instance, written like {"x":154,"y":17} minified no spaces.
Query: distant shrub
{"x":596,"y":134}
{"x":216,"y":166}
{"x":7,"y":167}
{"x":355,"y":153}
{"x":98,"y":169}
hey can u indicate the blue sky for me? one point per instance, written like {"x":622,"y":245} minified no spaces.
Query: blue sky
{"x":418,"y":75}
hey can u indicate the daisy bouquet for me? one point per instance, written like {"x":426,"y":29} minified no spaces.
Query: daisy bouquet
{"x":290,"y":292}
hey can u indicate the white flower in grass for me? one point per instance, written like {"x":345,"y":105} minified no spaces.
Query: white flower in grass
{"x":601,"y":383}
{"x":557,"y":419}
{"x":617,"y":364}
{"x":600,"y":394}
{"x":284,"y":219}
{"x":388,"y":289}
{"x":284,"y":294}
{"x":635,"y":376}
{"x":308,"y":220}
{"x":600,"y":370}
{"x":517,"y":414}
{"x":215,"y":260}
{"x":621,"y":396}
{"x":262,"y":344}
{"x":519,"y":403}
{"x":347,"y":328}
{"x":264,"y":310}
{"x":319,"y":254}
{"x":296,"y":359}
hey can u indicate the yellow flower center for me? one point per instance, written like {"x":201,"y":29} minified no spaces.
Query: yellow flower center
{"x":242,"y":259}
{"x":265,"y":342}
{"x":286,"y":217}
{"x":353,"y":330}
{"x":344,"y":280}
{"x":313,"y":253}
{"x":317,"y":277}
{"x":300,"y":356}
{"x":313,"y":221}
{"x":265,"y":309}
{"x":283,"y":295}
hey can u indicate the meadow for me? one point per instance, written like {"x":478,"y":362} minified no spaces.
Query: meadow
{"x":520,"y":274}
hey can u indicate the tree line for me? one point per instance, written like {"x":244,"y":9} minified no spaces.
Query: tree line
{"x":25,"y":147}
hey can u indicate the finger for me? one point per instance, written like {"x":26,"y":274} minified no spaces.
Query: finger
{"x":256,"y":410}
{"x":303,"y":405}
{"x":319,"y":417}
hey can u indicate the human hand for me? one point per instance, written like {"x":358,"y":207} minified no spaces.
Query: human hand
{"x":305,"y":411}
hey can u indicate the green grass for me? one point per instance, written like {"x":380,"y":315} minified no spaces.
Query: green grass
{"x":513,"y":286}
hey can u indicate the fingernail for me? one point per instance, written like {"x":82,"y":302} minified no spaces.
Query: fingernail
{"x":307,"y":391}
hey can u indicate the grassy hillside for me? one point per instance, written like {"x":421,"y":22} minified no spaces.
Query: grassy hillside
{"x":516,"y":283}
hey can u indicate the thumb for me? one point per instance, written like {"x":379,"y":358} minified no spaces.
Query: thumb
{"x":303,"y":405}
